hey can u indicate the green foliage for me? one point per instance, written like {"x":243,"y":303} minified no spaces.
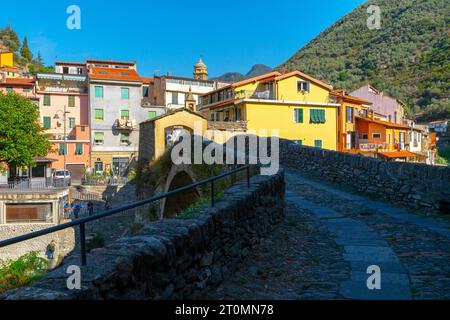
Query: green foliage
{"x":443,"y":156}
{"x":21,"y":272}
{"x":10,"y":39}
{"x":406,"y":58}
{"x":25,"y":52}
{"x":21,"y":136}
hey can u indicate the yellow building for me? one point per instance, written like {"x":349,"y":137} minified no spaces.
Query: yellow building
{"x":295,"y":104}
{"x":6,"y":59}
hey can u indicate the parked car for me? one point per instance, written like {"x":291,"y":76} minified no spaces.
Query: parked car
{"x":58,"y":178}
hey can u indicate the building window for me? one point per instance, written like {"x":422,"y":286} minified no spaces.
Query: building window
{"x":83,"y":129}
{"x":47,"y":100}
{"x":145,"y":92}
{"x":98,"y":167}
{"x":237,"y":114}
{"x":71,"y":123}
{"x":26,"y":90}
{"x":98,"y":137}
{"x":80,"y":71}
{"x":365,"y":136}
{"x":151,"y":114}
{"x":303,"y":86}
{"x":298,"y":115}
{"x":318,"y":143}
{"x":125,"y":114}
{"x":125,"y":139}
{"x":72,"y":101}
{"x":317,"y":116}
{"x":98,"y":114}
{"x":98,"y":92}
{"x":62,"y":149}
{"x":350,"y":114}
{"x":299,"y":142}
{"x":47,"y":122}
{"x":65,"y":70}
{"x":376,"y":135}
{"x":79,"y":149}
{"x":389,"y":138}
{"x":125,"y":93}
{"x":174,"y":97}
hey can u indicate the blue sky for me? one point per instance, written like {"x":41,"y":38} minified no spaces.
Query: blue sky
{"x":169,"y":36}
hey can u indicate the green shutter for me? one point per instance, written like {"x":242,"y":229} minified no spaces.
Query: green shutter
{"x":318,"y":143}
{"x":125,"y":114}
{"x":62,"y":148}
{"x":99,"y":92}
{"x":98,"y":114}
{"x":124,"y":137}
{"x":321,"y":116}
{"x":124,"y":93}
{"x":79,"y":148}
{"x":98,"y":136}
{"x":299,"y":115}
{"x":71,"y":101}
{"x":47,"y":122}
{"x":47,"y":101}
{"x":300,"y":142}
{"x":151,"y":114}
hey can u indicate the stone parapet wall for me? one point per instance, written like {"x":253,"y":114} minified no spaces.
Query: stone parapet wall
{"x":413,"y":184}
{"x":174,"y":258}
{"x":65,"y":240}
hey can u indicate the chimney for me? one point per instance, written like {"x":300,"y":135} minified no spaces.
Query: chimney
{"x":283,"y":70}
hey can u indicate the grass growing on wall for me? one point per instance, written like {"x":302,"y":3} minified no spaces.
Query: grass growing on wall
{"x":21,"y":272}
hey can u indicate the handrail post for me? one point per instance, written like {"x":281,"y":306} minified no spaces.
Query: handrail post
{"x":83,"y":244}
{"x":213,"y":194}
{"x":248,"y":176}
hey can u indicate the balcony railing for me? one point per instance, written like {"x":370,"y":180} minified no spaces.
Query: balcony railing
{"x":35,"y":184}
{"x":121,"y":124}
{"x":249,"y":94}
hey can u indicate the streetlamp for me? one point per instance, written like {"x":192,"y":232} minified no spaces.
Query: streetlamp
{"x":63,"y":118}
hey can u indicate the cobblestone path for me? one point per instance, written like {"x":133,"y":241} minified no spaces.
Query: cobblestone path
{"x":328,"y":240}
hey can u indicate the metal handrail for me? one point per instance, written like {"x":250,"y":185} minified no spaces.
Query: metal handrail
{"x":82,"y":221}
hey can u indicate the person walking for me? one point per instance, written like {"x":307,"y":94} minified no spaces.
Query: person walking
{"x":90,"y":207}
{"x":76,"y":210}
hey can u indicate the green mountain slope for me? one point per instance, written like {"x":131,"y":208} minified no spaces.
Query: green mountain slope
{"x":408,"y":57}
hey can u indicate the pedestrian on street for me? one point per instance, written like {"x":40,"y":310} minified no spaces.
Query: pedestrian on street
{"x":76,"y":210}
{"x":90,"y":206}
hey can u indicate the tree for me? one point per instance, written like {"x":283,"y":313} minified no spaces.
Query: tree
{"x":10,"y":38}
{"x":21,"y":135}
{"x":25,"y":52}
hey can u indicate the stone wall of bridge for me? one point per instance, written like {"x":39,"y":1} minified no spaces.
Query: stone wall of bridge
{"x":174,"y":258}
{"x":413,"y":184}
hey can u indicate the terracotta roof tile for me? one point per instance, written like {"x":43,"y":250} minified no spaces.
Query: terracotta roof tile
{"x":114,"y":74}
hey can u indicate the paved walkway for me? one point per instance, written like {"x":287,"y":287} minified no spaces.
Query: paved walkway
{"x":329,"y":240}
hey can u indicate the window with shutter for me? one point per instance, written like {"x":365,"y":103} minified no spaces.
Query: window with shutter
{"x":318,"y":143}
{"x":298,"y":115}
{"x":47,"y":101}
{"x":62,"y":149}
{"x":98,"y":137}
{"x":125,"y":114}
{"x":98,"y":114}
{"x":98,"y":92}
{"x":151,"y":114}
{"x":47,"y":122}
{"x":79,"y":149}
{"x":71,"y":101}
{"x":124,"y":93}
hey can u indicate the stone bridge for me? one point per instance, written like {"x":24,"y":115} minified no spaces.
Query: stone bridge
{"x":312,"y":231}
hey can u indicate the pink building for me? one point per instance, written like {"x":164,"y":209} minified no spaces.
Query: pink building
{"x":22,"y":86}
{"x":63,"y":106}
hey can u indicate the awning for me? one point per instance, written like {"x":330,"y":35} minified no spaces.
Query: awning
{"x":398,"y":154}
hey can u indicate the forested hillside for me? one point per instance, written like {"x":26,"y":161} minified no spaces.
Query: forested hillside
{"x":408,"y":57}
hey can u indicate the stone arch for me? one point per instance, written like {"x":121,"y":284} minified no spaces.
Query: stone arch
{"x":179,"y":175}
